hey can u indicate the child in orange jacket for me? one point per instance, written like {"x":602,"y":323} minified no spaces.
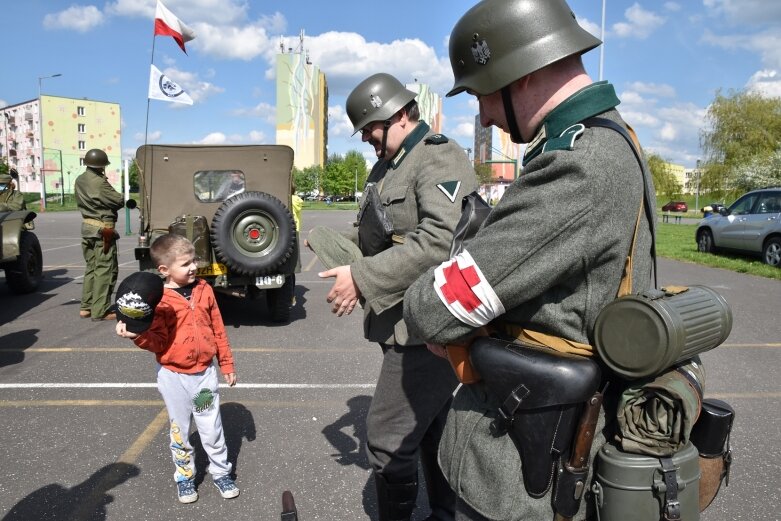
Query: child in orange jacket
{"x":186,"y":334}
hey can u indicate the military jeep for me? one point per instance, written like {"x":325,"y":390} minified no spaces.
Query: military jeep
{"x":21,"y":256}
{"x":233,"y":203}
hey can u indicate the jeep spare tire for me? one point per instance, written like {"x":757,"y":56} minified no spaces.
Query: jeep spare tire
{"x":253,"y":233}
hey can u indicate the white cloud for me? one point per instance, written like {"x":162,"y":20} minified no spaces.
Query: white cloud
{"x":219,"y":12}
{"x":654,"y":89}
{"x":76,"y":18}
{"x":672,"y":7}
{"x":264,"y":111}
{"x":257,"y":136}
{"x":233,"y":42}
{"x":740,"y":12}
{"x":640,"y":23}
{"x":347,"y":58}
{"x":338,"y":122}
{"x":592,"y":27}
{"x":214,"y":138}
{"x":765,"y":82}
{"x":464,"y":130}
{"x":3,"y":103}
{"x":152,"y":137}
{"x":668,"y":132}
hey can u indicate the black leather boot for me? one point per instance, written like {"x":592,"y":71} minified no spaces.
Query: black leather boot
{"x":395,"y":501}
{"x":441,"y":497}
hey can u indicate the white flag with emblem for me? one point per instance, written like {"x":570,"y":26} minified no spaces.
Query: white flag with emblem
{"x":164,"y":88}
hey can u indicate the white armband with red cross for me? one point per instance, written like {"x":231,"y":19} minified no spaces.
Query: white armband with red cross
{"x":465,"y":292}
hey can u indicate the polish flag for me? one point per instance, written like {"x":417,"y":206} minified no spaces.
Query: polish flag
{"x":169,"y":25}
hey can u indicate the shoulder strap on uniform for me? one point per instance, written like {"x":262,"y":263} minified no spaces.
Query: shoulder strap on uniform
{"x":634,"y":145}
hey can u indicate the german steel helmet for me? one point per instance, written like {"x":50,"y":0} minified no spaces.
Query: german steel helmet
{"x":499,"y":41}
{"x":96,"y":158}
{"x":376,"y":98}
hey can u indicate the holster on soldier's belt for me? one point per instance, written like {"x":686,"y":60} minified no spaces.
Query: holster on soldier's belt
{"x":109,"y":237}
{"x":375,"y":228}
{"x":542,"y":393}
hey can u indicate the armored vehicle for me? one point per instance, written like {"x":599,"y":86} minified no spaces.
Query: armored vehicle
{"x":21,"y":256}
{"x":233,"y":203}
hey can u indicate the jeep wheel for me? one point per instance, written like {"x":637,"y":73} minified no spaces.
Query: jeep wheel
{"x":279,"y":301}
{"x":26,"y":273}
{"x":253,"y":233}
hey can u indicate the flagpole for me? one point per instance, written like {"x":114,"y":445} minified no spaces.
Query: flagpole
{"x":146,"y":125}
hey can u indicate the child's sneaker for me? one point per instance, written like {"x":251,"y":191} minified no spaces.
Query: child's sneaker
{"x":228,"y":488}
{"x":186,"y":491}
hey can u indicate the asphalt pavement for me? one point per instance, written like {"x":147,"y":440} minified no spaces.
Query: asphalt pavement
{"x":84,"y":429}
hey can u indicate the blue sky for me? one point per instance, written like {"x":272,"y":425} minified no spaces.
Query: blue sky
{"x":666,"y":59}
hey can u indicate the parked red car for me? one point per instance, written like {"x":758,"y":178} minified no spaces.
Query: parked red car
{"x":675,"y":206}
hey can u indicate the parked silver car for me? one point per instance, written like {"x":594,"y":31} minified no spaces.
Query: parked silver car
{"x":751,"y":225}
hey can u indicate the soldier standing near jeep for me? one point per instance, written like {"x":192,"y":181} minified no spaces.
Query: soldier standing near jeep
{"x":410,"y":207}
{"x":98,"y":202}
{"x":11,"y":200}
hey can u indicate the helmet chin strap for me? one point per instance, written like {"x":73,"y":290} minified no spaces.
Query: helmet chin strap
{"x":385,"y":126}
{"x":509,"y":114}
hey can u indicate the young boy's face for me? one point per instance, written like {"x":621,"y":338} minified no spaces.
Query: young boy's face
{"x":181,"y":272}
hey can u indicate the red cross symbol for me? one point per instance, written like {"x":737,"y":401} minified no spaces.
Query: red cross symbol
{"x":459,"y":284}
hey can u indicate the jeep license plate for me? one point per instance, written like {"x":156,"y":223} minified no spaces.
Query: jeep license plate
{"x":270,"y":281}
{"x":214,"y":269}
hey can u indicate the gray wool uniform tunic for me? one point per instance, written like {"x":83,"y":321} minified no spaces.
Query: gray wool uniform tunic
{"x":548,"y":257}
{"x":421,"y":192}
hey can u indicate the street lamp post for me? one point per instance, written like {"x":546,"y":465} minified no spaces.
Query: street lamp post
{"x":40,"y":141}
{"x":697,"y":193}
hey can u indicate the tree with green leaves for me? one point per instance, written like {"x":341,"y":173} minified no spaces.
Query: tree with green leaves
{"x":665,"y":182}
{"x":742,"y":127}
{"x":309,"y":179}
{"x":484,"y":173}
{"x":760,"y":172}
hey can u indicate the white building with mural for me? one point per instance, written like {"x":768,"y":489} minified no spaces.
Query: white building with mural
{"x":302,"y":107}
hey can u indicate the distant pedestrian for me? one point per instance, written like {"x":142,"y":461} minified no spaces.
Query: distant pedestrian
{"x":186,"y":334}
{"x":98,"y":202}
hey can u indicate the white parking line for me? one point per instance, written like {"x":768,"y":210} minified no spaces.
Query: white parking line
{"x":127,"y":385}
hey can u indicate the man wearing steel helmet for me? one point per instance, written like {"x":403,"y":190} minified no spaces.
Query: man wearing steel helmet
{"x":552,"y":253}
{"x":410,"y":206}
{"x":98,"y":202}
{"x":10,"y":198}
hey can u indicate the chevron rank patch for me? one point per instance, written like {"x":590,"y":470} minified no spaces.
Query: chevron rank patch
{"x":465,"y":292}
{"x":450,"y":189}
{"x":436,"y":139}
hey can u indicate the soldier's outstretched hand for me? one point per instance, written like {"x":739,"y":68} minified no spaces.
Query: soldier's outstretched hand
{"x":344,"y":294}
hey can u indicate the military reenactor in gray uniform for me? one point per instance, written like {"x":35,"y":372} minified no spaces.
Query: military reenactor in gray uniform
{"x":551,"y":254}
{"x":98,"y":202}
{"x":410,"y":206}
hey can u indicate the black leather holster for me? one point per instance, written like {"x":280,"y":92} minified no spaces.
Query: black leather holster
{"x":542,"y":393}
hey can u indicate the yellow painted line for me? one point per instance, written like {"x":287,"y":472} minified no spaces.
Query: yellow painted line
{"x":143,"y":440}
{"x":108,"y":480}
{"x":311,"y":263}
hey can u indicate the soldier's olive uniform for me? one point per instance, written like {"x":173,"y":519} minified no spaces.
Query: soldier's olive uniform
{"x":553,"y":251}
{"x":98,"y":202}
{"x":421,"y":188}
{"x":11,"y":200}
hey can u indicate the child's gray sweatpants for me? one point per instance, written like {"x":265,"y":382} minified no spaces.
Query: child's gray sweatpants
{"x":194,"y":396}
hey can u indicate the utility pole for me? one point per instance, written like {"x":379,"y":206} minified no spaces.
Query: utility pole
{"x":40,"y":141}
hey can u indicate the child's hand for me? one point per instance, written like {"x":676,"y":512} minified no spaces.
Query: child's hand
{"x":123,"y":332}
{"x":231,"y":379}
